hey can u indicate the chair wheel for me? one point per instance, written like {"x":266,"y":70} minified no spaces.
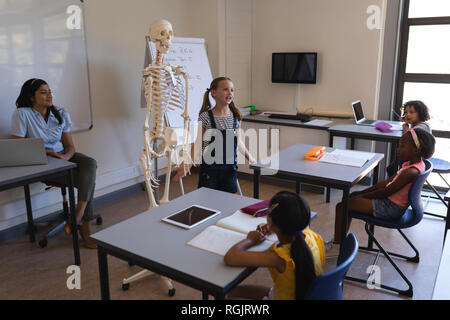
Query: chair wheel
{"x":43,"y":243}
{"x":171,"y":292}
{"x":99,"y":221}
{"x":125,"y":286}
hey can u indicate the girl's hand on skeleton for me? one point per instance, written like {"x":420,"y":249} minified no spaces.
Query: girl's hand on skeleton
{"x":180,"y":173}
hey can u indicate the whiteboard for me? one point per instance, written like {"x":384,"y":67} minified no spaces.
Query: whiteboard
{"x":44,"y":39}
{"x":190,"y":53}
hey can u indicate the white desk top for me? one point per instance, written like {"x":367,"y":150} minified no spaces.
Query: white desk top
{"x":163,"y":244}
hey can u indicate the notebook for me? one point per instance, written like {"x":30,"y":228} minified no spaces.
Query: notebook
{"x":22,"y":152}
{"x":219,"y":238}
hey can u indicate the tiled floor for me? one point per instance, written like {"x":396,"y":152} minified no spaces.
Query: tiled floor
{"x":29,"y":272}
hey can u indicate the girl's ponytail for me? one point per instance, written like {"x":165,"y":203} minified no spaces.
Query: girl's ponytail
{"x":291,"y":215}
{"x":304,"y":265}
{"x":206,"y":105}
{"x":235,"y":111}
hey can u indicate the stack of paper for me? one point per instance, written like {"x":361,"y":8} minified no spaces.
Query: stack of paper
{"x":347,"y":157}
{"x":318,"y":122}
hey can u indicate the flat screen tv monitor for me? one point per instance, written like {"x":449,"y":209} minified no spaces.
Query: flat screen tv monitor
{"x":294,"y":67}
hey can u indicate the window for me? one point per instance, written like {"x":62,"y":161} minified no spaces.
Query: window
{"x":424,"y":67}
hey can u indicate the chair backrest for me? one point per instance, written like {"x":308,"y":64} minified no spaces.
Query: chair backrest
{"x":328,"y":285}
{"x":414,"y":213}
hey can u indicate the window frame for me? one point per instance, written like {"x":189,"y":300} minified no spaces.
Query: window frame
{"x":402,"y":76}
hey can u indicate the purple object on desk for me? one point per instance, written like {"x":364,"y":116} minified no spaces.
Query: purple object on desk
{"x":258,"y":209}
{"x":383,"y":126}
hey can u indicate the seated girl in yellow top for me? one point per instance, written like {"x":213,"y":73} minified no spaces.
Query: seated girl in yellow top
{"x":293,"y":263}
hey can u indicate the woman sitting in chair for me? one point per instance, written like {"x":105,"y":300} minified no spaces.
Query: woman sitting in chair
{"x":37,"y":117}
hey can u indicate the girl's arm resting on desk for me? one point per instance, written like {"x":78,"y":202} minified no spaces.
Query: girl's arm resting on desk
{"x":239,"y":257}
{"x":407,"y":176}
{"x":69,"y":148}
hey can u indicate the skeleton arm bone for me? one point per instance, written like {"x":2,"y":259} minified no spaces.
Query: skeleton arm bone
{"x":242,"y":148}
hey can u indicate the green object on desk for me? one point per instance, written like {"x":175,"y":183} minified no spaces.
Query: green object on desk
{"x":252,"y":108}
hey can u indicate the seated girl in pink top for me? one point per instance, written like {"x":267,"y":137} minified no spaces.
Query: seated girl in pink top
{"x":389,"y":198}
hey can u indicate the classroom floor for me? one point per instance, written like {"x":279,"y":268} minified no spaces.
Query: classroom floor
{"x":30,"y":272}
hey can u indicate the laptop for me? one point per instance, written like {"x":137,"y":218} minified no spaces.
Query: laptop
{"x":358,"y":112}
{"x":22,"y":152}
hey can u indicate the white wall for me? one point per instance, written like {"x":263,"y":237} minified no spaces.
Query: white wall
{"x":115,"y":32}
{"x":337,"y":30}
{"x":240,"y":37}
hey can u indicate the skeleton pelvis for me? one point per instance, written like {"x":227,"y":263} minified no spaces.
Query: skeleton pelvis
{"x":162,"y":144}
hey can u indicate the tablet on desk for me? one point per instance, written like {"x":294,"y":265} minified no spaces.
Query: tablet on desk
{"x":190,"y":217}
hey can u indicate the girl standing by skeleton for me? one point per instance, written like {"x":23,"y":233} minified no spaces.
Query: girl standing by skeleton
{"x":219,"y":138}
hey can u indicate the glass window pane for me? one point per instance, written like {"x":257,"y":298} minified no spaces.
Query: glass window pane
{"x":428,"y":8}
{"x":442,"y":151}
{"x":437,"y":98}
{"x":428,"y":48}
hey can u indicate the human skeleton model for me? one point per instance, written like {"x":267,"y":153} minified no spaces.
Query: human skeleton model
{"x":164,"y":91}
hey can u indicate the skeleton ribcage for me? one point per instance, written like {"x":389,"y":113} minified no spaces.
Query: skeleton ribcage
{"x":165,"y":97}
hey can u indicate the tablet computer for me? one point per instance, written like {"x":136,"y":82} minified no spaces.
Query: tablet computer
{"x":191,"y":216}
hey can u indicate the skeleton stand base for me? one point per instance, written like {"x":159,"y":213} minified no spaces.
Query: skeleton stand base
{"x":145,"y":273}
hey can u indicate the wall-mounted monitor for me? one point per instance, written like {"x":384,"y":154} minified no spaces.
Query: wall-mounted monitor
{"x":294,"y":67}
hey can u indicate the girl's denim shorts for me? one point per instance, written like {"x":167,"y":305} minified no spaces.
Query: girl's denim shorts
{"x":386,"y":209}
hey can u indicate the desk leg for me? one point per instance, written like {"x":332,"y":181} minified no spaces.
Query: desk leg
{"x":345,"y":197}
{"x":447,"y":221}
{"x":29,"y":212}
{"x":298,"y":187}
{"x":328,"y":189}
{"x":376,"y":171}
{"x":103,"y":272}
{"x":76,"y":247}
{"x":352,"y":143}
{"x":256,"y":179}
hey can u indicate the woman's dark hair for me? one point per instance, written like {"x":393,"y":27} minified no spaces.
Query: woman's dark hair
{"x":206,"y":105}
{"x":420,"y":108}
{"x":427,"y":143}
{"x":28,"y":90}
{"x":291,"y":215}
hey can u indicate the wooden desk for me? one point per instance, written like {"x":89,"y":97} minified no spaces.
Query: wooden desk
{"x":441,"y":289}
{"x":160,"y":247}
{"x":13,"y":177}
{"x":293,"y":166}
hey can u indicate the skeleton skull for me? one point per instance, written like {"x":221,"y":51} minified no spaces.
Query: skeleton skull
{"x":161,"y":33}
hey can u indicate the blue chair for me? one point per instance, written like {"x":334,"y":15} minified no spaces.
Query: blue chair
{"x":328,"y":285}
{"x":411,"y":217}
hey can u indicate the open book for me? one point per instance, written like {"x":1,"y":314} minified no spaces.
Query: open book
{"x":228,"y":231}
